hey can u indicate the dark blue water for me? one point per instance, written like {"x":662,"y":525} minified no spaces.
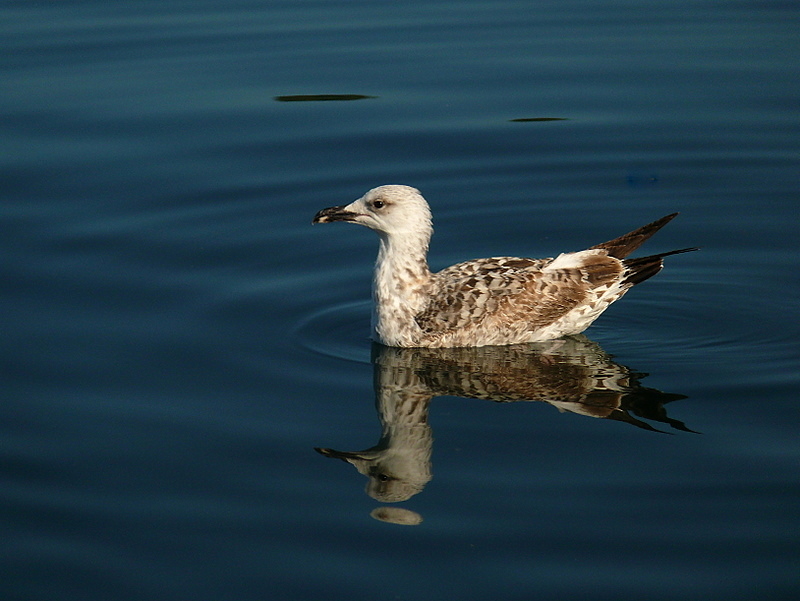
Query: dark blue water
{"x":177,"y":338}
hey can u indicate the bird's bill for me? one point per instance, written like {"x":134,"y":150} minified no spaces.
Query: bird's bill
{"x":334,"y":214}
{"x":348,"y":456}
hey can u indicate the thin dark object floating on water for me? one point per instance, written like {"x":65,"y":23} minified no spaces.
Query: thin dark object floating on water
{"x":321,"y":97}
{"x":526,"y":119}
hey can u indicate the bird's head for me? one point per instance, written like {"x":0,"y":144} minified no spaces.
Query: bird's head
{"x":389,"y":210}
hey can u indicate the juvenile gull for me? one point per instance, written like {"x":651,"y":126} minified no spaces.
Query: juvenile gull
{"x":494,"y":301}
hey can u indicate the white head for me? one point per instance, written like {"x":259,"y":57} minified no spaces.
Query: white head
{"x":389,"y":210}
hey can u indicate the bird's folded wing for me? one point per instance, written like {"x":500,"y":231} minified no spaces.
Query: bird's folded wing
{"x":506,"y":290}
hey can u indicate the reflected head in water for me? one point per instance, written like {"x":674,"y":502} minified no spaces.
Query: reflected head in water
{"x":399,"y":466}
{"x":573,"y":374}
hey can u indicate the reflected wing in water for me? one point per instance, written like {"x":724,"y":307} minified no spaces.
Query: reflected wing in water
{"x":573,"y":374}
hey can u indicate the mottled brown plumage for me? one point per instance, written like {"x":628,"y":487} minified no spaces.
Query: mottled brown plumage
{"x":494,"y":301}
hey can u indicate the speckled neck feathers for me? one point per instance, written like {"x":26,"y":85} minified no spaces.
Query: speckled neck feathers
{"x":401,"y":287}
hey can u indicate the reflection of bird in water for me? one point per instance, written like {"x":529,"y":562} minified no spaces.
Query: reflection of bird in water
{"x":495,"y":301}
{"x":573,"y":374}
{"x":398,"y":467}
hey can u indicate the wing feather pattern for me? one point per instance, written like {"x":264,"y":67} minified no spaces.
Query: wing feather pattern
{"x":515,"y":293}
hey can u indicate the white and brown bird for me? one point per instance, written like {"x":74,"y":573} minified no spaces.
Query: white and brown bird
{"x":494,"y":301}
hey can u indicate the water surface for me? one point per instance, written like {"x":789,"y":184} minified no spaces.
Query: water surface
{"x":178,"y":339}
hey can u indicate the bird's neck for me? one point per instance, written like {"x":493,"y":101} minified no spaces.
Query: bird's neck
{"x":401,"y":287}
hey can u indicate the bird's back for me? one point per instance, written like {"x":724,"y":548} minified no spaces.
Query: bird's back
{"x":507,"y":300}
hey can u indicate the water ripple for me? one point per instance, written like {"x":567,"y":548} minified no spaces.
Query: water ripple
{"x":684,"y":325}
{"x":340,"y":331}
{"x":677,"y":325}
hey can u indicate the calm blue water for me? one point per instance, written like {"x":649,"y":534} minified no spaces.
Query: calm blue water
{"x":177,"y":338}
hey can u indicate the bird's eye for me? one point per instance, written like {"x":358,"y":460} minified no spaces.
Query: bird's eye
{"x":378,"y":204}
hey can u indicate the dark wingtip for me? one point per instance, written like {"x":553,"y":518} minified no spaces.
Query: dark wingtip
{"x":679,"y":251}
{"x":643,"y":268}
{"x":624,"y":245}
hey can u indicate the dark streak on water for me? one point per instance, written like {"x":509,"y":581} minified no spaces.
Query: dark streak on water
{"x":178,"y":338}
{"x":320,"y":97}
{"x":530,"y":119}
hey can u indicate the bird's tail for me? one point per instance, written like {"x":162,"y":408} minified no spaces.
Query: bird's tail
{"x":642,"y":268}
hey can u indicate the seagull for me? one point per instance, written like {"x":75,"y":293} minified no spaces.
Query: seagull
{"x":492,"y":301}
